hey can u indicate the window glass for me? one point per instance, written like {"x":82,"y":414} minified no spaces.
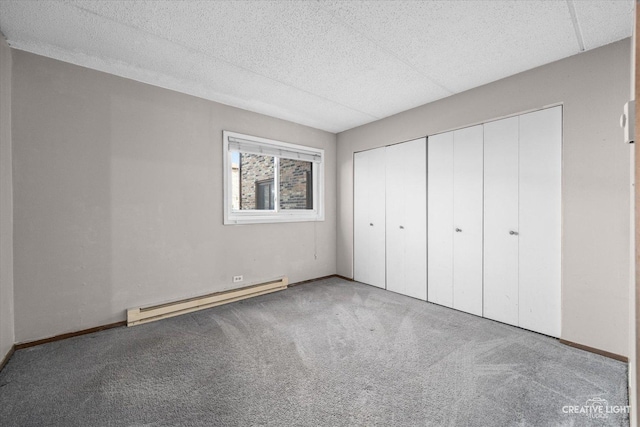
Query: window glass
{"x":296,"y":184}
{"x":256,"y":179}
{"x":265,"y":195}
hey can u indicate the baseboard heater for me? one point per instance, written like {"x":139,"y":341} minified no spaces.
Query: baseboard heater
{"x":138,"y":316}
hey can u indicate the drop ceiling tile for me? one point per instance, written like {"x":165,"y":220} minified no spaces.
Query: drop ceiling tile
{"x":384,"y":89}
{"x":465,"y":44}
{"x":602,"y":23}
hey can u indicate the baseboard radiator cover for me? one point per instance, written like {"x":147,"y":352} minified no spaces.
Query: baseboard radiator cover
{"x":139,"y":316}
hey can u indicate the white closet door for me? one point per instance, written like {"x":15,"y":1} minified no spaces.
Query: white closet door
{"x":501,"y":220}
{"x":540,"y":220}
{"x":440,"y":219}
{"x":406,"y":218}
{"x":467,"y":219}
{"x":369,"y":217}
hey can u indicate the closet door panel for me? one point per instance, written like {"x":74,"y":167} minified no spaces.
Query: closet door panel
{"x":395,"y":205}
{"x":406,"y":218}
{"x":467,"y":219}
{"x":415,"y":226}
{"x":440,"y":219}
{"x":369,"y":217}
{"x":500,"y":285}
{"x":540,"y":220}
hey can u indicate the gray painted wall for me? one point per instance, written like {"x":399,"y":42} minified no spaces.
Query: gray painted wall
{"x":118,"y":199}
{"x":6,"y":206}
{"x":593,"y":87}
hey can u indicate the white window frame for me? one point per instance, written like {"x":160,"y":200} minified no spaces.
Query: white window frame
{"x":270,"y":146}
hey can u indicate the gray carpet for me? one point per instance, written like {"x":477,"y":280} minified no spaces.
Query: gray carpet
{"x":328,"y":353}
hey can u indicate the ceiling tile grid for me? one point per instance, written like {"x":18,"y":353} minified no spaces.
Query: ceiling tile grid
{"x":332,"y":65}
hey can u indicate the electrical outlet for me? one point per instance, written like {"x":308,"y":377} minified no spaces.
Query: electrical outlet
{"x":237,"y":279}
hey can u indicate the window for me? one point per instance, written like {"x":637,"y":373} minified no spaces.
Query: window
{"x":271,"y":181}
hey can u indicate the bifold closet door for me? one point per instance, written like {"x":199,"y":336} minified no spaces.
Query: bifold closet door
{"x":369,"y":217}
{"x":440,"y":219}
{"x":406,"y":218}
{"x":540,"y":220}
{"x":467,"y":219}
{"x":501,"y":220}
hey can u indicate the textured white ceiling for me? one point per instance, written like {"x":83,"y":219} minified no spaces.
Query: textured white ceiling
{"x":332,"y":65}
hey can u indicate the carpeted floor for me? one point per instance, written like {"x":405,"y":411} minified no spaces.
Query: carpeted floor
{"x":328,"y":353}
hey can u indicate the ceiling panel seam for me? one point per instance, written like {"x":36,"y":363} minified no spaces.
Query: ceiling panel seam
{"x":576,"y":24}
{"x":90,"y":12}
{"x":387,"y":51}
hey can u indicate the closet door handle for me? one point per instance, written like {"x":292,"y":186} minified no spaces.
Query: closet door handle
{"x":513,"y":233}
{"x":458,"y":230}
{"x":370,"y":224}
{"x":402,"y":227}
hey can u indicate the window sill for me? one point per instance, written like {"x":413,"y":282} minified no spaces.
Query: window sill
{"x":266,"y":219}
